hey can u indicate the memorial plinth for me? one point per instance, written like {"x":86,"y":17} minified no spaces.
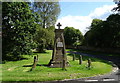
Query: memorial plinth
{"x":59,"y":53}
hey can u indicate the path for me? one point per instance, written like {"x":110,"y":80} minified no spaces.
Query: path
{"x":114,"y":59}
{"x":114,"y":76}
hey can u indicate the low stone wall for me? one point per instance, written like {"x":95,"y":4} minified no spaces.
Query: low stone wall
{"x":106,"y":50}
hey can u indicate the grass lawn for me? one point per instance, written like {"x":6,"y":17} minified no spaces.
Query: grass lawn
{"x":20,"y":70}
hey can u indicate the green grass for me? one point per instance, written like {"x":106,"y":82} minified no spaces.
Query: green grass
{"x":20,"y":70}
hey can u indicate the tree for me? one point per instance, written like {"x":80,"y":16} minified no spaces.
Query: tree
{"x":93,"y":37}
{"x":104,"y":33}
{"x":118,"y":6}
{"x":95,"y":22}
{"x":72,"y":36}
{"x":114,"y":25}
{"x":44,"y":39}
{"x":18,"y":28}
{"x":48,"y":12}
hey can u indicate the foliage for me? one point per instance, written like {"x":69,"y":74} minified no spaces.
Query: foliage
{"x":0,"y":24}
{"x":95,"y":22}
{"x":47,"y":15}
{"x":104,"y":33}
{"x":118,"y":6}
{"x":48,"y":12}
{"x":19,"y":70}
{"x":44,"y":38}
{"x":114,"y":25}
{"x":93,"y":37}
{"x":18,"y":28}
{"x":72,"y":36}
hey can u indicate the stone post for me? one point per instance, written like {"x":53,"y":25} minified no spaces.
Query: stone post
{"x":63,"y":67}
{"x":37,"y":57}
{"x":73,"y":57}
{"x":80,"y":59}
{"x":35,"y":61}
{"x":89,"y":63}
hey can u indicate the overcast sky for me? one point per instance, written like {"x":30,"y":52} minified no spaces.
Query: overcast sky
{"x":80,"y":14}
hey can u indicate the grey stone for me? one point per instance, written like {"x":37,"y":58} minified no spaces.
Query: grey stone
{"x":59,"y":53}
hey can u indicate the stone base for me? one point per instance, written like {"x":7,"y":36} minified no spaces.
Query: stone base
{"x":58,"y":64}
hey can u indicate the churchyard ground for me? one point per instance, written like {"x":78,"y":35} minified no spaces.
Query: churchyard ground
{"x":20,"y":70}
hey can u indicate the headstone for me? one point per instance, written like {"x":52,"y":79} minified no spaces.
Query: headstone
{"x":89,"y":63}
{"x":74,"y":57}
{"x":59,"y":58}
{"x":80,"y":59}
{"x":64,"y":65}
{"x":34,"y":63}
{"x":37,"y":57}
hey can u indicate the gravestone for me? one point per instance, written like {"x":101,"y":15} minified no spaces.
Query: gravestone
{"x":74,"y":57}
{"x":80,"y":59}
{"x":34,"y":63}
{"x":89,"y":63}
{"x":59,"y":58}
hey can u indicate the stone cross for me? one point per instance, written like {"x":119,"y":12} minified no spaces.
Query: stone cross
{"x":59,"y":25}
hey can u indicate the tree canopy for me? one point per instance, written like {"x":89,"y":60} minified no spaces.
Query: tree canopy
{"x":48,"y":12}
{"x":118,"y":6}
{"x":25,"y":29}
{"x":44,"y":39}
{"x":18,"y":28}
{"x":104,"y":33}
{"x":72,"y":36}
